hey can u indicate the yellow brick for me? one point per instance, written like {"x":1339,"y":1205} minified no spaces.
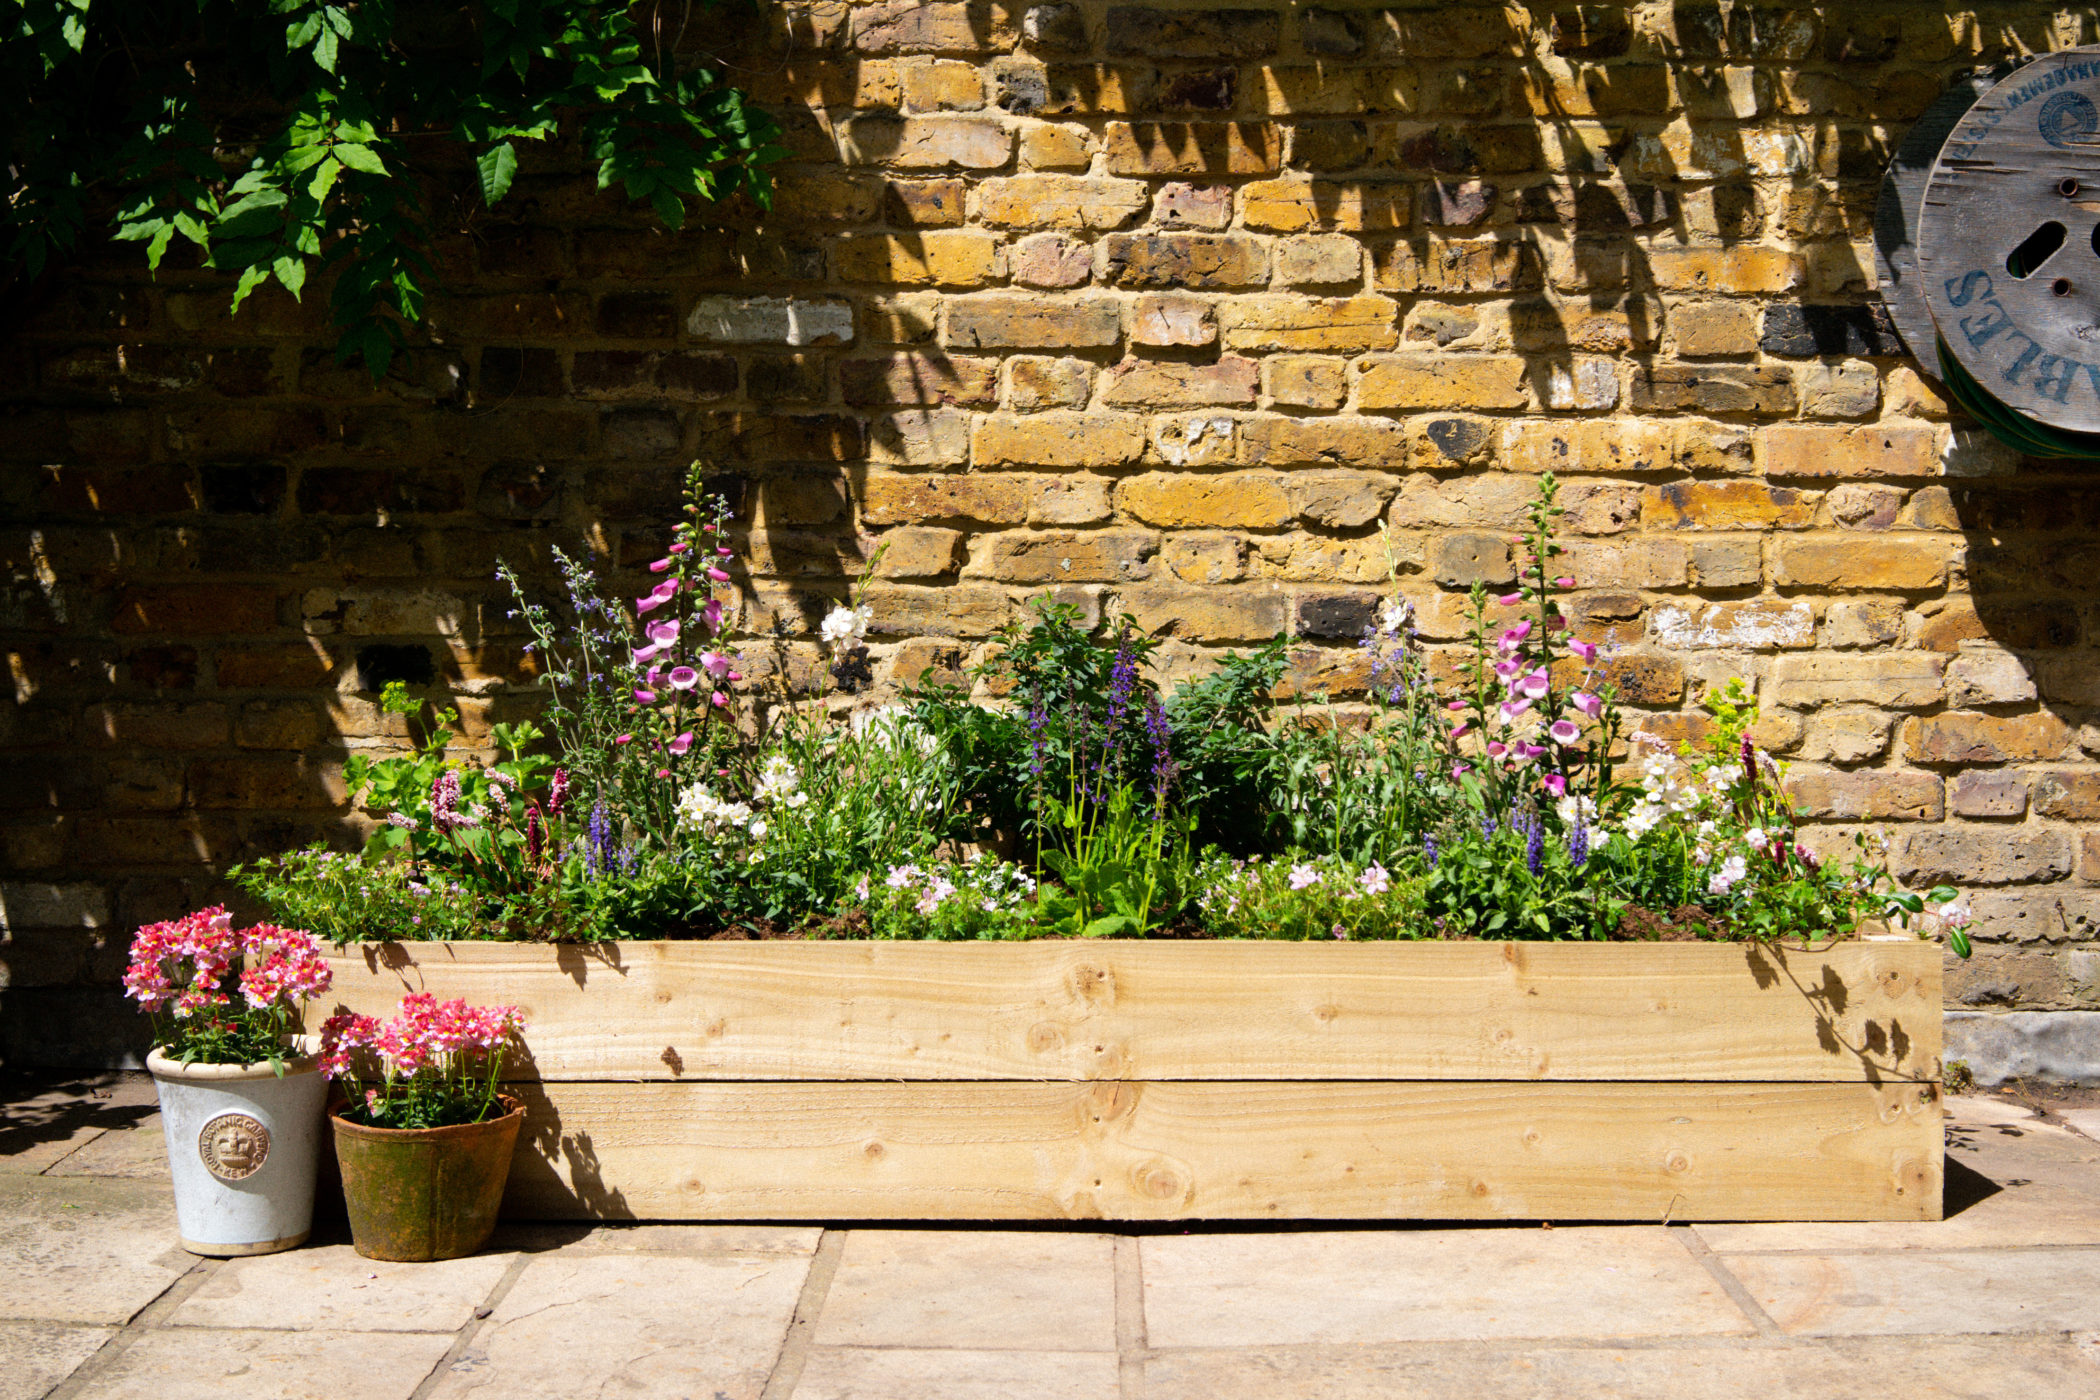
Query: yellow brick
{"x":1294,"y":204}
{"x":1443,"y":381}
{"x":1059,"y":440}
{"x":951,"y":258}
{"x":1741,"y":271}
{"x":1727,"y":505}
{"x":1899,"y":565}
{"x":1061,"y":201}
{"x":1056,"y":146}
{"x":1309,"y":323}
{"x":1791,"y":450}
{"x":1232,"y":501}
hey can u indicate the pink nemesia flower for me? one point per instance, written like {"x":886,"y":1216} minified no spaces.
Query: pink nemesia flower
{"x":1586,"y":650}
{"x":1556,"y":784}
{"x":683,"y":677}
{"x":1564,"y":731}
{"x":1589,"y":704}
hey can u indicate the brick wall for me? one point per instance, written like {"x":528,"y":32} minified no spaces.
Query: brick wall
{"x":1167,"y":308}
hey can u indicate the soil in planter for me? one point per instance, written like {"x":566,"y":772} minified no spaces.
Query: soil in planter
{"x":1687,"y":924}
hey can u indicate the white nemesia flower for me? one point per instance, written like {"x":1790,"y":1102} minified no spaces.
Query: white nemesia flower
{"x":1375,"y":880}
{"x":1956,"y":915}
{"x":780,"y":783}
{"x":1756,"y":839}
{"x":1303,"y":875}
{"x":843,"y":626}
{"x":1722,"y":880}
{"x":1393,"y":617}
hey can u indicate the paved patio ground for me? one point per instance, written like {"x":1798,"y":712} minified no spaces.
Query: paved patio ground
{"x":2000,"y":1302}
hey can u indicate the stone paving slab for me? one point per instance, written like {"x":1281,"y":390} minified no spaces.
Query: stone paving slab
{"x":185,"y":1363}
{"x":2000,"y":1290}
{"x":905,"y":1373}
{"x":987,"y":1290}
{"x":2036,"y":1368}
{"x":633,"y":1326}
{"x":85,"y":1250}
{"x":136,"y":1154}
{"x":1391,"y":1286}
{"x":35,"y":1356}
{"x":659,"y":1239}
{"x":2085,"y":1120}
{"x":334,"y":1288}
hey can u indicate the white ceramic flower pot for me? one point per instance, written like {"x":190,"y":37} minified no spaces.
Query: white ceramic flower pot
{"x":242,"y":1144}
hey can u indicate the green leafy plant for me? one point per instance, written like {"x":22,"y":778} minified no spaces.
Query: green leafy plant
{"x":347,"y":897}
{"x":281,"y":138}
{"x":982,"y":897}
{"x":1324,"y":897}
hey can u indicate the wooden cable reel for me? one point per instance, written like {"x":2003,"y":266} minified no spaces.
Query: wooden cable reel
{"x":2007,"y":255}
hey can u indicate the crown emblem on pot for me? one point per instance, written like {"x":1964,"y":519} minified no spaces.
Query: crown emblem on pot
{"x":233,"y":1146}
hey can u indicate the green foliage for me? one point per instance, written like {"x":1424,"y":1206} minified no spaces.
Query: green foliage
{"x":1325,"y":897}
{"x":278,"y":138}
{"x":350,"y":898}
{"x":981,"y":898}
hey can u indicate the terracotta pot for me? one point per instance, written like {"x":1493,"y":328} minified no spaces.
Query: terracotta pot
{"x":418,"y":1194}
{"x":242,"y":1140}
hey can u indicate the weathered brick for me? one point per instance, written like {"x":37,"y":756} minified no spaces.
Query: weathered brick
{"x":1796,"y":450}
{"x":1061,"y":202}
{"x":1171,"y":384}
{"x":995,"y":321}
{"x":1179,"y":204}
{"x":1306,"y":381}
{"x":1727,"y":505}
{"x":196,"y":609}
{"x":929,"y":379}
{"x":1192,"y":148}
{"x":1235,"y":500}
{"x":945,"y":26}
{"x":947,"y":257}
{"x":1453,"y":266}
{"x":1462,"y":559}
{"x":1050,"y":260}
{"x":1243,"y":613}
{"x":1169,"y":318}
{"x":1323,"y":261}
{"x":944,"y":85}
{"x":771,"y":321}
{"x":249,"y":784}
{"x":1071,"y":500}
{"x":925,"y":143}
{"x":918,"y":551}
{"x":1987,"y":793}
{"x":1640,"y":563}
{"x":1035,"y":383}
{"x":894,"y":499}
{"x":1146,"y":260}
{"x":1331,"y":441}
{"x":1866,"y":796}
{"x":1971,"y":855}
{"x":923,"y":203}
{"x":1754,"y":626}
{"x":1443,"y":381}
{"x":1059,"y":440}
{"x":1067,"y":556}
{"x":1308,"y":323}
{"x":1147,"y":33}
{"x":1057,"y":146}
{"x":1669,"y":388}
{"x":1961,"y":736}
{"x":1903,"y":681}
{"x":1296,"y":204}
{"x":1339,"y":500}
{"x":2068,"y":794}
{"x":1794,"y":329}
{"x":1704,"y":329}
{"x":1902,"y":565}
{"x":1444,"y":32}
{"x":1988,"y":678}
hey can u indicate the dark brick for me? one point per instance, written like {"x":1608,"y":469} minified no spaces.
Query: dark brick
{"x":241,"y":374}
{"x":251,"y":488}
{"x":612,"y":371}
{"x":1142,"y":33}
{"x":163,"y":668}
{"x":1330,"y":33}
{"x":638,"y":315}
{"x":1793,"y":329}
{"x":1862,"y":39}
{"x":1592,"y":31}
{"x":509,"y":372}
{"x":520,"y":491}
{"x":1054,"y":29}
{"x":1199,"y":89}
{"x":789,"y":379}
{"x":1714,"y":389}
{"x":381,"y":663}
{"x":1337,"y":615}
{"x":693,"y":375}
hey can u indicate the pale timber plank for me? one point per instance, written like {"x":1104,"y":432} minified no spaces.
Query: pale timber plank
{"x":1857,"y":1011}
{"x":1229,"y":1150}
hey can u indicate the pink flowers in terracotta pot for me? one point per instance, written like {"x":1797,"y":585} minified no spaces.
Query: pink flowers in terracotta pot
{"x":434,"y":1063}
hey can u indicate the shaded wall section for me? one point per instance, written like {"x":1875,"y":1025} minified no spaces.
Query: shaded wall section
{"x":1166,"y":308}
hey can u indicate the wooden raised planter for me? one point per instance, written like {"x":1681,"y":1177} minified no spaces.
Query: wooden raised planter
{"x":1163,"y":1081}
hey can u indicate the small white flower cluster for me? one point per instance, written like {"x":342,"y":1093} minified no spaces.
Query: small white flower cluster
{"x":700,"y":810}
{"x":780,"y":783}
{"x":844,"y":626}
{"x":982,"y":884}
{"x":895,"y":727}
{"x":1667,"y":790}
{"x":1724,"y":879}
